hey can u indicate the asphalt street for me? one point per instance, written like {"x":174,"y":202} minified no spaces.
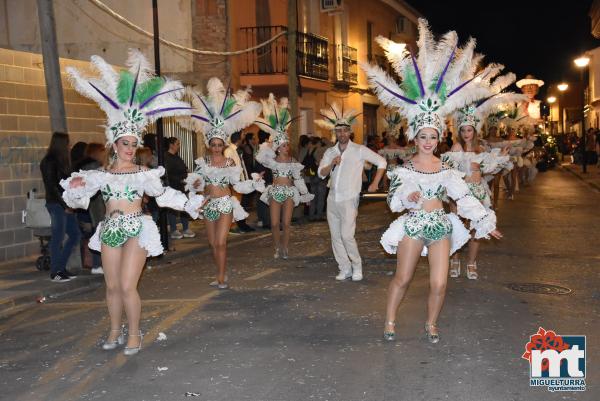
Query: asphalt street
{"x":286,"y":330}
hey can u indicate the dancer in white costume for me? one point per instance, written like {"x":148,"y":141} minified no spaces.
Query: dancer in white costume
{"x":396,"y":152}
{"x":288,"y":189}
{"x":432,"y":87}
{"x":131,"y":99}
{"x":217,"y":115}
{"x":344,"y":164}
{"x":470,"y":157}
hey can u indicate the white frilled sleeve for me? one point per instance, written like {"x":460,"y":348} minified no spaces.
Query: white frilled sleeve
{"x":169,"y":197}
{"x":246,"y":186}
{"x":79,"y":198}
{"x":191,"y":179}
{"x":299,"y":183}
{"x":401,"y":186}
{"x":483,"y":221}
{"x":493,"y":162}
{"x":266,"y":155}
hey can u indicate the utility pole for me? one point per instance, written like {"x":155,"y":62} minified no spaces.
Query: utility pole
{"x":54,"y":92}
{"x":162,"y":217}
{"x":292,"y":68}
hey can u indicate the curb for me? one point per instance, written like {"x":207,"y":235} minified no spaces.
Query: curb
{"x":591,"y":184}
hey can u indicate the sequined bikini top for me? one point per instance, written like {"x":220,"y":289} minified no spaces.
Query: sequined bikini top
{"x":220,"y":180}
{"x":120,"y":188}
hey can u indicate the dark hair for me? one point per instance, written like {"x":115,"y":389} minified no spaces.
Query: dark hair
{"x":59,"y":150}
{"x":170,"y":141}
{"x":303,"y":140}
{"x":144,"y":156}
{"x":249,"y":136}
{"x":94,"y":148}
{"x":315,"y":140}
{"x":78,"y":152}
{"x":263,"y":136}
{"x":402,"y":139}
{"x":150,"y":142}
{"x":236,"y":136}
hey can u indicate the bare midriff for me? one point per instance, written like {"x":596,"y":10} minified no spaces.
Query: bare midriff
{"x":122,"y":206}
{"x":283,"y":181}
{"x":216,"y":191}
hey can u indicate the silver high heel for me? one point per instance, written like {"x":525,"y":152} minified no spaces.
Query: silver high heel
{"x":284,"y":254}
{"x":454,"y":268}
{"x":277,"y":253}
{"x":134,"y":350}
{"x":215,"y":283}
{"x":472,"y":271}
{"x":110,"y":345}
{"x":389,"y":335}
{"x":431,"y":337}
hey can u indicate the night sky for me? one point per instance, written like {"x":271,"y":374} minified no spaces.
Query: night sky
{"x":529,"y":37}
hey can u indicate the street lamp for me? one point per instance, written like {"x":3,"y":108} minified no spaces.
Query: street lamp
{"x":551,"y":100}
{"x":581,"y":63}
{"x":561,"y":87}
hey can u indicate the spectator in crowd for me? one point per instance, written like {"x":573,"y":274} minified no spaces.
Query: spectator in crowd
{"x":150,"y":142}
{"x":262,"y":209}
{"x":95,"y":154}
{"x":235,"y":152}
{"x":176,"y":174}
{"x":590,"y":147}
{"x":317,"y":186}
{"x":144,"y":157}
{"x":77,"y":155}
{"x":55,"y":166}
{"x":303,"y":145}
{"x":250,"y":148}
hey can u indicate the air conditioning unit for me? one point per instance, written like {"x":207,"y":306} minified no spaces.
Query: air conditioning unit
{"x":331,"y":5}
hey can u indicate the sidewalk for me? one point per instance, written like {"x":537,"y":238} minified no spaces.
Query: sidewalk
{"x":22,"y":285}
{"x":592,"y":177}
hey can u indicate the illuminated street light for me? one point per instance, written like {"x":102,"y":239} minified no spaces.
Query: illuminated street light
{"x":582,"y":61}
{"x":563,"y":87}
{"x":551,"y":99}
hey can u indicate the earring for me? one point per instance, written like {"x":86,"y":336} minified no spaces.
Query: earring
{"x":113,"y":158}
{"x":134,"y":160}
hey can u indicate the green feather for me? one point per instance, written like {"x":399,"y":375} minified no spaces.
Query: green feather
{"x":284,"y":116}
{"x":272,"y":121}
{"x":229,"y":103}
{"x":148,"y":89}
{"x":410,"y":85}
{"x":125,"y":86}
{"x":443,"y":92}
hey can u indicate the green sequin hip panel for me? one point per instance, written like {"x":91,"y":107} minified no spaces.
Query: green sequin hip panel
{"x":118,"y":228}
{"x":428,"y":226}
{"x":281,"y":193}
{"x":478,"y":190}
{"x":216,"y":207}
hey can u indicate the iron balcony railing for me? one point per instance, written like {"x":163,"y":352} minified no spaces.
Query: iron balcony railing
{"x":311,"y":53}
{"x":346,"y":70}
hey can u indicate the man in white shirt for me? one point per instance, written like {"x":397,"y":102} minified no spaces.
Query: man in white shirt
{"x":344,"y":162}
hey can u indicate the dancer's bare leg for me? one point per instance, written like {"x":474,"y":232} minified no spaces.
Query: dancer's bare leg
{"x":439,"y":253}
{"x":111,"y":263}
{"x":221,"y":232}
{"x":408,"y":253}
{"x":286,"y":221}
{"x":132,"y":264}
{"x":275,"y":213}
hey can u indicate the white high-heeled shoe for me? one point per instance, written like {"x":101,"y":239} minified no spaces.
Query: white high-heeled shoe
{"x":472,"y":271}
{"x":120,"y":340}
{"x":134,"y":350}
{"x":454,"y":268}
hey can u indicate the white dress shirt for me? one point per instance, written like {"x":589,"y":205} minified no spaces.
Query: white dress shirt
{"x":346,"y":178}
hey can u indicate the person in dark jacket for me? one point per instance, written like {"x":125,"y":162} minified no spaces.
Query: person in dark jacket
{"x":56,"y":166}
{"x":176,"y":174}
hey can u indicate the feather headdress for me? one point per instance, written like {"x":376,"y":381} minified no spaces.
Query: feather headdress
{"x":276,"y":119}
{"x":333,"y":117}
{"x":435,"y":83}
{"x":131,"y":98}
{"x":475,"y":113}
{"x":513,"y":117}
{"x":392,"y":122}
{"x":219,"y":113}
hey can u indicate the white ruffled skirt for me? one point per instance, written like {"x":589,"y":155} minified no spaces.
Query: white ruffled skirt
{"x":395,"y":233}
{"x":149,"y":237}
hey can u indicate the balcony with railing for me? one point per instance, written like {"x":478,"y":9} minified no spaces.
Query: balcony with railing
{"x":267,"y":66}
{"x":346,"y":70}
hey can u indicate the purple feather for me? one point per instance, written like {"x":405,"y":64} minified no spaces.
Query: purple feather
{"x":226,"y":96}
{"x":152,"y":112}
{"x":421,"y":88}
{"x":206,"y":120}
{"x":108,"y":99}
{"x":463,"y":85}
{"x":205,"y":106}
{"x":231,"y":115}
{"x":441,"y":78}
{"x":399,"y":96}
{"x":151,"y":98}
{"x":137,"y":75}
